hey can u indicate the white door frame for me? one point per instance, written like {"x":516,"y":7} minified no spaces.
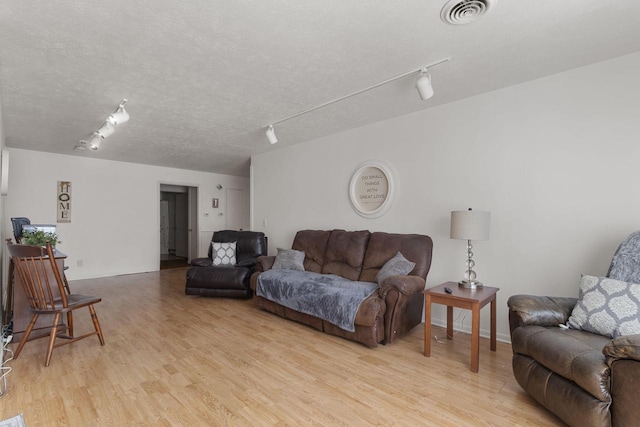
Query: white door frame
{"x":192,"y":216}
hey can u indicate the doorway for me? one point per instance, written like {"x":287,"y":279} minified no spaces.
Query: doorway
{"x":178,"y":223}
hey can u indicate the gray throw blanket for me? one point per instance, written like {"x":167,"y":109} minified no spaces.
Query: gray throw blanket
{"x":625,"y":264}
{"x":326,"y":296}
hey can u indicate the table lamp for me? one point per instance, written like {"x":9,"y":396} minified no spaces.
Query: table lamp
{"x":470,"y":225}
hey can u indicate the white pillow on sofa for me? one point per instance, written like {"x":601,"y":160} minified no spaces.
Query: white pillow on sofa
{"x":224,"y":253}
{"x":607,"y":307}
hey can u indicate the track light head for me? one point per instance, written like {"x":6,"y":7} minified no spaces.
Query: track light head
{"x":106,"y":129}
{"x":120,"y":116}
{"x":271,"y":135}
{"x":95,"y":140}
{"x":423,"y":84}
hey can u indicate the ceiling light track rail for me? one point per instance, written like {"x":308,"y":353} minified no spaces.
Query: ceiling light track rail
{"x":423,"y":73}
{"x":107,"y":128}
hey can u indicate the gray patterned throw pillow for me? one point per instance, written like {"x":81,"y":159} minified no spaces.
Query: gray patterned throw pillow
{"x":396,"y":266}
{"x":224,"y":253}
{"x":289,"y":259}
{"x":607,"y":307}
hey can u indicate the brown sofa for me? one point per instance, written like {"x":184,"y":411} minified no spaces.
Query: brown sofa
{"x":390,"y":312}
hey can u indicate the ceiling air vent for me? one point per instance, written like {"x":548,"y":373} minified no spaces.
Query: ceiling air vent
{"x":458,"y":12}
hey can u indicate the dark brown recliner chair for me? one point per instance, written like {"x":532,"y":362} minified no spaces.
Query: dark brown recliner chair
{"x":205,"y":279}
{"x":584,"y":378}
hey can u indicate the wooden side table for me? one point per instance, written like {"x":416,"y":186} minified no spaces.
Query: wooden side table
{"x":465,"y":298}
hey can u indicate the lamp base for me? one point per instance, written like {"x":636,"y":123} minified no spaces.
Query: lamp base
{"x":470,"y":284}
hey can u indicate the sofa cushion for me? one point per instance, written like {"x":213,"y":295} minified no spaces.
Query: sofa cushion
{"x":289,"y":259}
{"x":345,"y":253}
{"x":329,"y":297}
{"x":575,"y":355}
{"x":396,"y":266}
{"x":607,"y":307}
{"x":224,"y":253}
{"x":383,"y":246}
{"x":314,"y":245}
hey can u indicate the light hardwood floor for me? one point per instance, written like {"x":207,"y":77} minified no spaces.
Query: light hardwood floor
{"x":174,"y":360}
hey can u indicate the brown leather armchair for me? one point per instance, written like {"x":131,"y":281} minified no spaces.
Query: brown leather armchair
{"x":584,"y":378}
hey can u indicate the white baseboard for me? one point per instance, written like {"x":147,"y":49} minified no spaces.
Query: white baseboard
{"x":465,"y":327}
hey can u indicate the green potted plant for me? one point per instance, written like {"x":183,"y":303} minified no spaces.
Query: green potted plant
{"x":40,"y":238}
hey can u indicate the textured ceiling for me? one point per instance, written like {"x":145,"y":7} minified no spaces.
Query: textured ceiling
{"x":202,"y":78}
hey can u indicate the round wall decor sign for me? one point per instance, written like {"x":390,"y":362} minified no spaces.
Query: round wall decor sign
{"x":371,"y":189}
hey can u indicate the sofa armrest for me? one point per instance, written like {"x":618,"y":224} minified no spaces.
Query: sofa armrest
{"x":622,"y":356}
{"x":539,"y":311}
{"x":264,"y":263}
{"x":404,"y":302}
{"x":406,"y":285}
{"x":624,"y":347}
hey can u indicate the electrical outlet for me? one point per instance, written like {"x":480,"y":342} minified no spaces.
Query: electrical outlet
{"x":79,"y":263}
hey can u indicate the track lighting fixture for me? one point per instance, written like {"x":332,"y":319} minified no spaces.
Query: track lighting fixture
{"x":271,"y":135}
{"x":423,"y":85}
{"x":107,"y":129}
{"x":119,"y":116}
{"x":95,"y":140}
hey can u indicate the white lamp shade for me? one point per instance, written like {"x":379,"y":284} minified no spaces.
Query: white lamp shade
{"x":423,"y":84}
{"x":470,"y":225}
{"x":271,"y":135}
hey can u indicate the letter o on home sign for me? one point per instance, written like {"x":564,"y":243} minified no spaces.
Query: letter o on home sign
{"x":371,"y":189}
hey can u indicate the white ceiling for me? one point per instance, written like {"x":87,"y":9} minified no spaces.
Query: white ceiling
{"x":203,"y":77}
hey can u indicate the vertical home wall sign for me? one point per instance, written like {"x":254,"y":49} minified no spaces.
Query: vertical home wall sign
{"x":64,"y":201}
{"x":371,"y":189}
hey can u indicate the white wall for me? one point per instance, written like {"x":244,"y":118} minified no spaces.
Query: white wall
{"x":3,"y":262}
{"x":555,"y":160}
{"x":115,"y":219}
